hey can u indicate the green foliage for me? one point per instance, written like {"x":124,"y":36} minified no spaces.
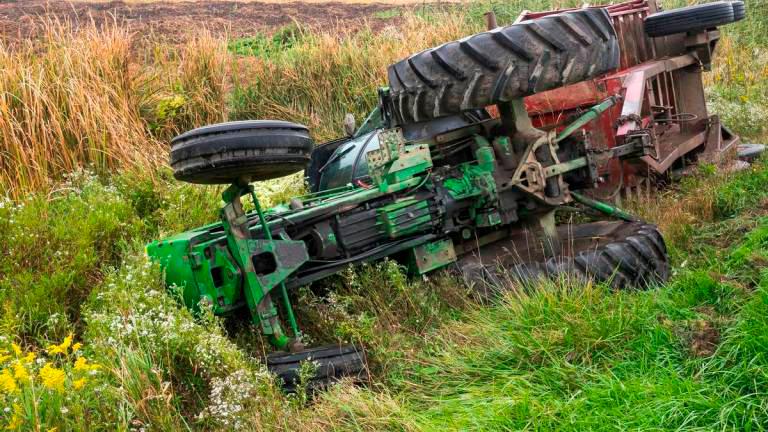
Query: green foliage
{"x":746,"y":192}
{"x":569,"y":357}
{"x":379,"y":306}
{"x":53,"y":390}
{"x":387,"y":14}
{"x":743,"y":110}
{"x":168,"y":206}
{"x":55,"y":247}
{"x":262,"y":45}
{"x":152,"y":345}
{"x":167,"y":112}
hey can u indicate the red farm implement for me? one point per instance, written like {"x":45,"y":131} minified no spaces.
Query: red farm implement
{"x":659,"y":82}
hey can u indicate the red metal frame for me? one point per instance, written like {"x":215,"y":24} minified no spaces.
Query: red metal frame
{"x":659,"y":81}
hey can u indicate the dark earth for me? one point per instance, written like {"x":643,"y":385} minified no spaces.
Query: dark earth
{"x":20,"y":19}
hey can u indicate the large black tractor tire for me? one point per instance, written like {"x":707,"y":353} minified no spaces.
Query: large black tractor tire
{"x":333,"y":363}
{"x":694,"y":18}
{"x":625,"y":255}
{"x":739,"y":10}
{"x":253,"y":150}
{"x":503,"y":64}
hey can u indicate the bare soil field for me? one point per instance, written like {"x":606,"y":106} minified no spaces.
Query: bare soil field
{"x":173,"y":20}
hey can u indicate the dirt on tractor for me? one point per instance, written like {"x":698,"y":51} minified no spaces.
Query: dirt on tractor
{"x":172,"y":21}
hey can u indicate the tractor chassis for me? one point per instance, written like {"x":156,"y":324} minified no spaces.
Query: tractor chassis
{"x":404,"y":201}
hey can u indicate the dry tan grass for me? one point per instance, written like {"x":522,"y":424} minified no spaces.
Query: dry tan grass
{"x":87,"y":98}
{"x":82,"y":99}
{"x":326,"y":76}
{"x":70,"y":102}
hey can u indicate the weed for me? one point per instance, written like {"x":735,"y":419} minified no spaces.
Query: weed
{"x":388,"y":14}
{"x":264,"y":46}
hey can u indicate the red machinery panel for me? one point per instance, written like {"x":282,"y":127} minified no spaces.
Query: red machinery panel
{"x":659,"y":82}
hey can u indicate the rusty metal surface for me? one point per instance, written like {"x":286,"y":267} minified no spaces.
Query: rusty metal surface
{"x":660,"y":84}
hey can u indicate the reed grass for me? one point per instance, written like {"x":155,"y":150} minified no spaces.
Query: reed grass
{"x":103,"y":98}
{"x":86,"y":99}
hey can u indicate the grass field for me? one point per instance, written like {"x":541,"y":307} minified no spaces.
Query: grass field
{"x":90,"y":340}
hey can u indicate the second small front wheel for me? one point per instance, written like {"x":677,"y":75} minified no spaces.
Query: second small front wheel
{"x":253,"y":150}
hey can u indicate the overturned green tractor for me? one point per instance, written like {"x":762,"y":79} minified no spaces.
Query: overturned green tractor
{"x":430,"y":179}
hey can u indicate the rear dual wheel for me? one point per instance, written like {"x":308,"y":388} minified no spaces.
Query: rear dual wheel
{"x":623,"y":255}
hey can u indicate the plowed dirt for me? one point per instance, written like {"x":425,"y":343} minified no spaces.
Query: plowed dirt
{"x":174,"y":20}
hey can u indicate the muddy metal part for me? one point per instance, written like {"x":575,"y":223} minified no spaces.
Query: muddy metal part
{"x":660,"y":82}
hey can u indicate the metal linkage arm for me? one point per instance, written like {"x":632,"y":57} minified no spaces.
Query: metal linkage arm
{"x":264,"y":263}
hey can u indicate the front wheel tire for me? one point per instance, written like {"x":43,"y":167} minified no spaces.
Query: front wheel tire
{"x":251,"y":150}
{"x":332,"y":363}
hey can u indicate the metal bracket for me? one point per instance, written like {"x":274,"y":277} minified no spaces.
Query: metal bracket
{"x":703,"y":46}
{"x":396,"y":161}
{"x":431,"y":256}
{"x":639,"y":144}
{"x":531,"y":176}
{"x":279,"y":258}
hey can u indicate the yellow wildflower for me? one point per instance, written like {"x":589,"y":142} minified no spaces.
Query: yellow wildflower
{"x":62,"y":347}
{"x":4,"y":358}
{"x":16,"y":349}
{"x":7,"y":383}
{"x":52,"y":377}
{"x":20,"y":372}
{"x":81,"y":364}
{"x":30,"y":357}
{"x":53,"y":429}
{"x":76,"y":347}
{"x":78,"y":384}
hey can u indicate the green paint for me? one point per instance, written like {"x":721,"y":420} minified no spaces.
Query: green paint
{"x":431,"y":256}
{"x":603,"y":207}
{"x":585,"y":118}
{"x":405,"y":217}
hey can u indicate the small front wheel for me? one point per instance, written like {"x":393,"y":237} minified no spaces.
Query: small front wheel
{"x":694,"y":18}
{"x":253,"y":150}
{"x":332,"y":362}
